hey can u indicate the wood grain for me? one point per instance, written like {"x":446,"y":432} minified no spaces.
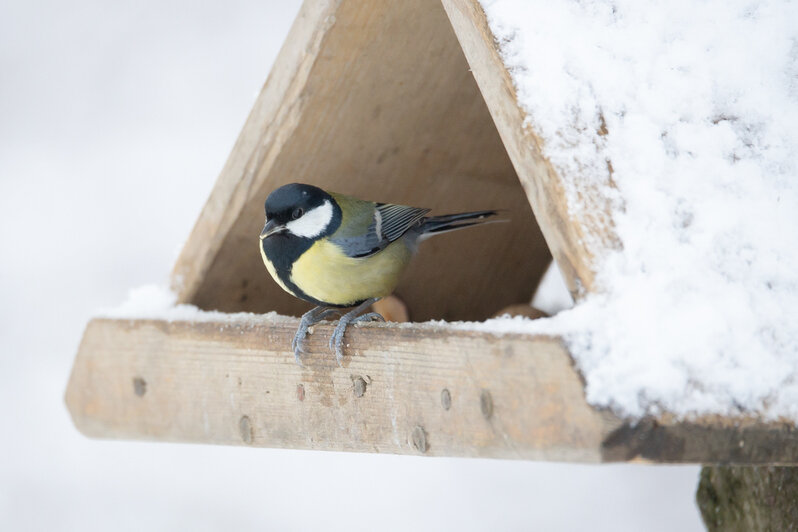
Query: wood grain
{"x":235,"y":382}
{"x":373,"y":99}
{"x":403,"y":388}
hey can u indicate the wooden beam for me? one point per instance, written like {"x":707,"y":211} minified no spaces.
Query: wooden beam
{"x":575,"y":239}
{"x":373,"y":99}
{"x":408,"y":389}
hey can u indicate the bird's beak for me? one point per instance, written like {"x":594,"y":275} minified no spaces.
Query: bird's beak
{"x":271,"y":228}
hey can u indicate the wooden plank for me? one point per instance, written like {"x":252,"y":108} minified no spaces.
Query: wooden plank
{"x":408,"y":389}
{"x":424,"y":390}
{"x":575,"y":239}
{"x":373,"y":99}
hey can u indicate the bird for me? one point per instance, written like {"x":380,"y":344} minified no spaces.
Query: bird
{"x":340,"y":252}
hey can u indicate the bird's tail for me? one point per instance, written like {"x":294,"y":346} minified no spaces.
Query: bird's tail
{"x":451,"y":222}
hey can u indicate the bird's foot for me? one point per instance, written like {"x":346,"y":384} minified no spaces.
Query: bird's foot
{"x":309,"y":319}
{"x":337,"y":338}
{"x":371,"y":316}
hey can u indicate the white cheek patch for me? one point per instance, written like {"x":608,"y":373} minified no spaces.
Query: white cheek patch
{"x":312,"y":223}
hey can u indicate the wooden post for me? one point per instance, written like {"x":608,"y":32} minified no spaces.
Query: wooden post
{"x":748,"y":499}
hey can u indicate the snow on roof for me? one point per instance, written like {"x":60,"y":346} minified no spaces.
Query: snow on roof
{"x":700,"y":104}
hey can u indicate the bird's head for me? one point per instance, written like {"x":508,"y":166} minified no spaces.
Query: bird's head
{"x":300,"y":210}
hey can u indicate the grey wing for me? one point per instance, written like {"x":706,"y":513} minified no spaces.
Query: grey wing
{"x":389,"y":223}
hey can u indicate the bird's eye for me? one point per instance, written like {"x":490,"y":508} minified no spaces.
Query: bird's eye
{"x":298,"y":212}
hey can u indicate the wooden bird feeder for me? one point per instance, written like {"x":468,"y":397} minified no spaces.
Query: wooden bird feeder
{"x":407,"y":102}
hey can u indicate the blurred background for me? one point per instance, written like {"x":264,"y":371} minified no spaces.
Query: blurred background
{"x":115,"y":119}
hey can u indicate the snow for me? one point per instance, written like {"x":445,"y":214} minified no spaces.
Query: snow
{"x":116,"y":119}
{"x":552,"y":295}
{"x":159,"y":302}
{"x":699,"y":310}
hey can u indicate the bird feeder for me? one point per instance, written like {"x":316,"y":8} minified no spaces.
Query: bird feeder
{"x":407,"y":102}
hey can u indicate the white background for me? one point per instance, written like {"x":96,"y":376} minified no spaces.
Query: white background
{"x":115,"y":119}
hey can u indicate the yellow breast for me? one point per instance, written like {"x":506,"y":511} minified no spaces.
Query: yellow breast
{"x":325,"y":273}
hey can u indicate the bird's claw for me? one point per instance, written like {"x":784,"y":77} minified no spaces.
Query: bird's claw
{"x":371,"y":316}
{"x":309,"y":319}
{"x":336,"y":344}
{"x":337,"y":338}
{"x":329,"y":312}
{"x":297,"y":344}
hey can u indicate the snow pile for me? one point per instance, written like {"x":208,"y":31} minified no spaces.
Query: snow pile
{"x":158,"y":302}
{"x":699,"y":103}
{"x":552,"y":295}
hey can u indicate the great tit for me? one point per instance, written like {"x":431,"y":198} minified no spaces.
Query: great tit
{"x":337,"y":251}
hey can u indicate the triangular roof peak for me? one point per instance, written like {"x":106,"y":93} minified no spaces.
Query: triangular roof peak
{"x":379,"y":100}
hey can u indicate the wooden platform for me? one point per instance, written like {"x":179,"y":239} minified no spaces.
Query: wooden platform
{"x":407,"y":389}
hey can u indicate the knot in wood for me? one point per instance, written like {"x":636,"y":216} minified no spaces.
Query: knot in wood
{"x":419,"y":437}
